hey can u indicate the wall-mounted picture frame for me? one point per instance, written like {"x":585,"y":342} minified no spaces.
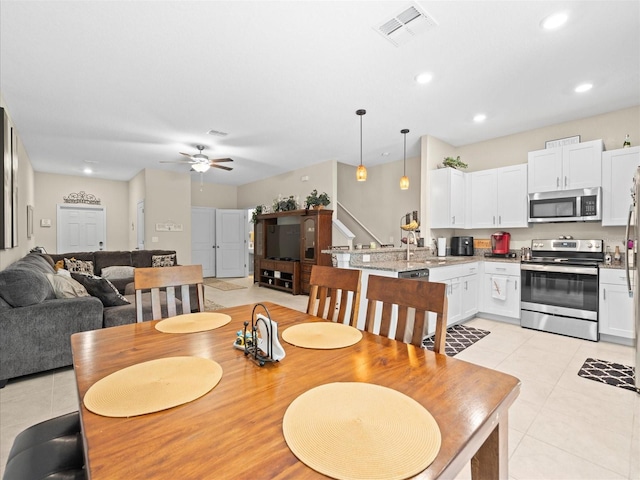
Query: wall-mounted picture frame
{"x":29,"y":221}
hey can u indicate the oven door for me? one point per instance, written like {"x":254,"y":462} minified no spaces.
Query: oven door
{"x":565,"y":290}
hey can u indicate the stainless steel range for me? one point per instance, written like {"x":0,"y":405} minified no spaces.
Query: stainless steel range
{"x":560,"y":287}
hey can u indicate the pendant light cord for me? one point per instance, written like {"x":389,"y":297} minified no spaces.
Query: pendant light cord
{"x":360,"y":139}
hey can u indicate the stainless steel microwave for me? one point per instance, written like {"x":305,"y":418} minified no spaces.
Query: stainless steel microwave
{"x":581,"y":205}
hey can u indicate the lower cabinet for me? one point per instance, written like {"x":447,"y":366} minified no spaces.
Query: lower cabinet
{"x":615,"y":307}
{"x":462,"y":289}
{"x":280,"y":274}
{"x":500,"y":291}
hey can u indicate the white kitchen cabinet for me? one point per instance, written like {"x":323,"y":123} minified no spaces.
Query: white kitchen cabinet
{"x":618,"y":169}
{"x":498,"y":197}
{"x":565,"y":168}
{"x":447,"y":198}
{"x":462,"y":290}
{"x":615,"y":306}
{"x":510,"y":274}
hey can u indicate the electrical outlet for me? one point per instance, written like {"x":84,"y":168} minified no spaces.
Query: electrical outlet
{"x":366,"y":258}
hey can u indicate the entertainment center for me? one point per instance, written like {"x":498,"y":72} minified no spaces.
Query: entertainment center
{"x":287,"y":245}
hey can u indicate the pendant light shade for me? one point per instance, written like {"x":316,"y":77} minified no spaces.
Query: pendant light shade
{"x":361,"y":172}
{"x":200,"y":167}
{"x":404,"y":181}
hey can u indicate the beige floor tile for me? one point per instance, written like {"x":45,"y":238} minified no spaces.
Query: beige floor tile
{"x":586,"y":440}
{"x":522,"y":415}
{"x":537,"y":460}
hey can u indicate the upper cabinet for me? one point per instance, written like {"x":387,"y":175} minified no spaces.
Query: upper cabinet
{"x":565,"y":168}
{"x":447,"y":198}
{"x":498,"y":197}
{"x":618,"y":169}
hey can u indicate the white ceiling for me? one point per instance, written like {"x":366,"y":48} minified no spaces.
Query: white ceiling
{"x":126,"y":84}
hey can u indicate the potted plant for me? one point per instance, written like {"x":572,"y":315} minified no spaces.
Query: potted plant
{"x":315,"y":200}
{"x":259,"y":210}
{"x":281,"y":204}
{"x":454,"y":162}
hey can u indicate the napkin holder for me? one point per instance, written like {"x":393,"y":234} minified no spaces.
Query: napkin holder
{"x":264,"y":345}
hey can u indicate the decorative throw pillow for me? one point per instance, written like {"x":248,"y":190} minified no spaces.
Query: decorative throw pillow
{"x":66,"y":287}
{"x":78,"y":266}
{"x":163,"y":260}
{"x":117,"y":272}
{"x":101,"y":288}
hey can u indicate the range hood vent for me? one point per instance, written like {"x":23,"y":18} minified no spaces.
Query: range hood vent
{"x":402,"y":27}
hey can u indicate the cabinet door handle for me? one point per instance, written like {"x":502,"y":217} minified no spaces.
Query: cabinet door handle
{"x":499,"y":219}
{"x":565,"y":180}
{"x":516,"y":284}
{"x":453,"y":220}
{"x":494,"y":220}
{"x":604,"y":294}
{"x":466,"y":285}
{"x":557,"y":182}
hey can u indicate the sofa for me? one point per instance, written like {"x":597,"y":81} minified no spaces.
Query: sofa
{"x":37,"y":320}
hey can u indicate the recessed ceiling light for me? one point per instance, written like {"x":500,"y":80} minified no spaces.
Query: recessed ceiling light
{"x":585,"y":87}
{"x":423,"y":78}
{"x":87,"y":170}
{"x":217,"y":133}
{"x":481,"y":117}
{"x":384,"y":154}
{"x":554,"y":21}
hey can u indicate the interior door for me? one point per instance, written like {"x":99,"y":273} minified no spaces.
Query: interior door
{"x":232,"y":254}
{"x":203,"y":231}
{"x":81,"y":228}
{"x":140,"y":228}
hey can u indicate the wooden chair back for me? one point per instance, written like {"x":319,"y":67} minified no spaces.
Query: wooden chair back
{"x":422,"y":296}
{"x":329,"y":289}
{"x":156,"y":279}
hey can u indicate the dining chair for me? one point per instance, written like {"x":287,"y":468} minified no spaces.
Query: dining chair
{"x":156,"y":279}
{"x":421,"y":296}
{"x":329,"y":292}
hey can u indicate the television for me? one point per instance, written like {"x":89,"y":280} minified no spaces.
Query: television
{"x":283,"y":242}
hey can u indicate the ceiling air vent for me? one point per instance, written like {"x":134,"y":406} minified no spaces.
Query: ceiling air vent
{"x":405,"y":25}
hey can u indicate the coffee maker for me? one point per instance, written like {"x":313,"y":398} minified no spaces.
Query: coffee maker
{"x":500,"y":243}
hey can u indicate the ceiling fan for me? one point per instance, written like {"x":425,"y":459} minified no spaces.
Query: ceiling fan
{"x":200,"y":162}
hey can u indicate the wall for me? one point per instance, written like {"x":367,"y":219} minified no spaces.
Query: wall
{"x":611,"y":127}
{"x":214,"y":195}
{"x":378,"y":203}
{"x":168,"y":199}
{"x":137,"y":190}
{"x":264,"y":192}
{"x":25,"y":197}
{"x":50,"y":188}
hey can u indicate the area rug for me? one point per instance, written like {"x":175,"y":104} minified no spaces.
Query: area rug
{"x":610,"y":373}
{"x":221,"y":284}
{"x":210,"y":306}
{"x":459,"y":337}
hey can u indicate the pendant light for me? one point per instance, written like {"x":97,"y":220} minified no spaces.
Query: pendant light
{"x":361,"y":172}
{"x":404,"y":181}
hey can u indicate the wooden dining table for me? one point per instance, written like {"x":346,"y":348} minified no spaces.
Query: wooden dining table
{"x":235,"y":430}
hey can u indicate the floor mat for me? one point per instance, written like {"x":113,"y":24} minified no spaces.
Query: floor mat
{"x":459,"y":337}
{"x":210,"y":306}
{"x":610,"y":373}
{"x":221,"y":284}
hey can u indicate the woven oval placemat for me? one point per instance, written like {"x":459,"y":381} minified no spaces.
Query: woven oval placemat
{"x":152,"y":386}
{"x":354,"y":431}
{"x":193,"y":322}
{"x":322,"y":335}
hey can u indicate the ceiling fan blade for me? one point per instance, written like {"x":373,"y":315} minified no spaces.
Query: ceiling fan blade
{"x":218,"y":160}
{"x":184,"y":162}
{"x":221,"y":167}
{"x":186,"y":154}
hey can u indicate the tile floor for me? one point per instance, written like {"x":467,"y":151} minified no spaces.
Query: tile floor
{"x":561,"y":427}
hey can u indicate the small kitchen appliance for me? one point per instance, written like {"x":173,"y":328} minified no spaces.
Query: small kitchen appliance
{"x":500,"y":243}
{"x":559,"y":287}
{"x":462,"y":246}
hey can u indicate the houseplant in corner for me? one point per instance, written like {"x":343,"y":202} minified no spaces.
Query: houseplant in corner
{"x":315,"y":200}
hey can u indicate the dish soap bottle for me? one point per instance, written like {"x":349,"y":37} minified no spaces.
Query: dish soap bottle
{"x":627,"y":142}
{"x":616,"y":255}
{"x":607,"y":257}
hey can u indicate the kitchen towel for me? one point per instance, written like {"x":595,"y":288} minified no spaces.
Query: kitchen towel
{"x":499,"y":288}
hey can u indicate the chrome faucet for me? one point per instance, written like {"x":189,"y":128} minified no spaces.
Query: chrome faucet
{"x":415,"y":240}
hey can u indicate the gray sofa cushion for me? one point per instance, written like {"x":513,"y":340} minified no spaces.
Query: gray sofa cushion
{"x":21,"y":287}
{"x":105,"y":258}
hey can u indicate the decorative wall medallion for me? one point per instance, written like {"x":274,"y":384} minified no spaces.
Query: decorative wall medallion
{"x":82,"y":197}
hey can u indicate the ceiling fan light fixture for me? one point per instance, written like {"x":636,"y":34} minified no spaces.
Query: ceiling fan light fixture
{"x":361,"y":172}
{"x":201,"y":167}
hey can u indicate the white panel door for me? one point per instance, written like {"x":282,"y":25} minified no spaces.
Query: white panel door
{"x":203,"y":231}
{"x":232,"y":253}
{"x":81,"y":228}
